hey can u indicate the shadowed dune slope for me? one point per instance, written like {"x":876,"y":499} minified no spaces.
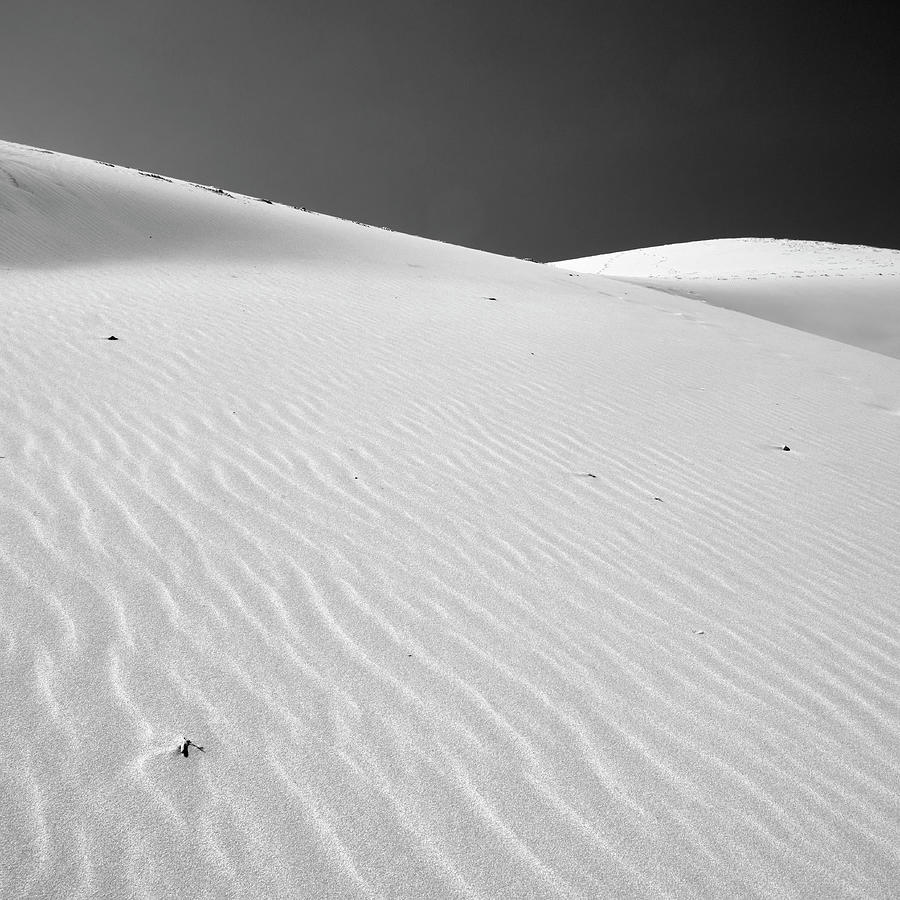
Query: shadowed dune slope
{"x":847,"y":293}
{"x":473,"y":577}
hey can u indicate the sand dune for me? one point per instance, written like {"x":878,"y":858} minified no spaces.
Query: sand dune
{"x":847,"y":293}
{"x":473,"y":578}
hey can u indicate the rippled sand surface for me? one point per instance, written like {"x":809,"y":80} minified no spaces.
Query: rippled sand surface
{"x":473,"y":578}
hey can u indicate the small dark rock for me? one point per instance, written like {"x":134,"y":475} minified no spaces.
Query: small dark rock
{"x":785,"y":447}
{"x":112,"y":337}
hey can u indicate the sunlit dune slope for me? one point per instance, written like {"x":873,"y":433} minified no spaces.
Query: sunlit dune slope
{"x":847,"y":293}
{"x":472,"y":577}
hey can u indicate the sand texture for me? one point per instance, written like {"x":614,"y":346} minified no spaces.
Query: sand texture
{"x":474,"y":578}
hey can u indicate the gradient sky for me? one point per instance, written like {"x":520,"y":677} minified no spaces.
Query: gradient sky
{"x":549,"y":130}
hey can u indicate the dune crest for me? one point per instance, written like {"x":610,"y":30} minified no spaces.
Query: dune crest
{"x":847,"y":293}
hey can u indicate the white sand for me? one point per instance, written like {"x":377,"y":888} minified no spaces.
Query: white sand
{"x":327,"y":510}
{"x":847,"y":293}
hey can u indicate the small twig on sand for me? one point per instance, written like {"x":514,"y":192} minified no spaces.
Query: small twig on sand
{"x":183,"y":748}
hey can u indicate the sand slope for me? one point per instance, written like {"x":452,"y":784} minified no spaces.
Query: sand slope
{"x":847,"y":293}
{"x":474,"y":578}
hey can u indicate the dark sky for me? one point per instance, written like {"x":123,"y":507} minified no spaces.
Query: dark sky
{"x":548,"y":130}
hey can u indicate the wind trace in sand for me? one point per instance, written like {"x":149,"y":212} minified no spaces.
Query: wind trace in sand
{"x":325,"y":511}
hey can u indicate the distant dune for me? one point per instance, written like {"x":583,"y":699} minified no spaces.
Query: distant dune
{"x":472,"y":577}
{"x":847,"y":293}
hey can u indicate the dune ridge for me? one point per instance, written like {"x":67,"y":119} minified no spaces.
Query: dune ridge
{"x":844,"y":292}
{"x":474,"y":579}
